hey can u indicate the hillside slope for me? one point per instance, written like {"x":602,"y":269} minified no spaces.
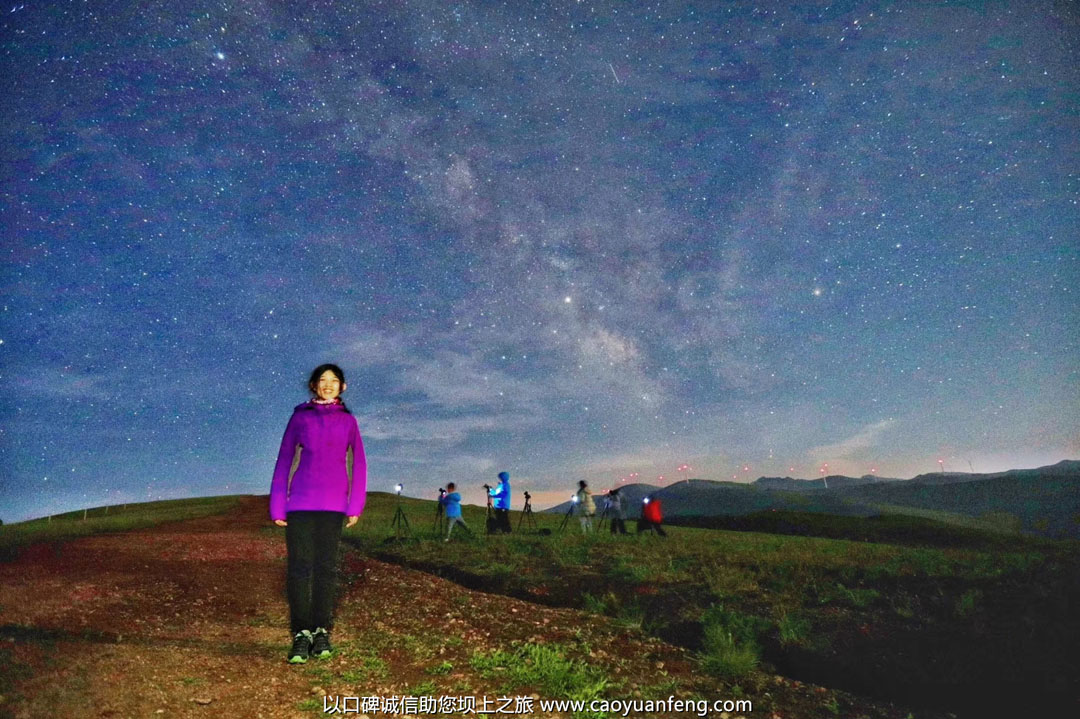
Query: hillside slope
{"x":1043,"y":501}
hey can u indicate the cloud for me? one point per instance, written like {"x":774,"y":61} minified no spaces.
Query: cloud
{"x":864,"y":439}
{"x":67,"y":385}
{"x":434,"y":398}
{"x":406,"y":424}
{"x":457,"y":381}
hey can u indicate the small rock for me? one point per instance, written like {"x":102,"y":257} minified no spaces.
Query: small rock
{"x":659,"y":665}
{"x":318,"y":691}
{"x":202,"y":700}
{"x":160,"y":711}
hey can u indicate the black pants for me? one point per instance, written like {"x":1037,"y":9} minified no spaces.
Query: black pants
{"x":645,"y":525}
{"x":312,"y":540}
{"x":502,"y":520}
{"x":618,"y":525}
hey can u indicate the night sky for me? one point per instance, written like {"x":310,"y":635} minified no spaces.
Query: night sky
{"x":572,"y":240}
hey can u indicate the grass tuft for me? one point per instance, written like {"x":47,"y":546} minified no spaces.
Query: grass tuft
{"x":544,"y":667}
{"x":730,"y":643}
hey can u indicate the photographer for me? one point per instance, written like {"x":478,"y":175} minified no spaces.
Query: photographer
{"x":501,"y":502}
{"x":451,"y":502}
{"x":615,"y":511}
{"x":586,"y":508}
{"x":651,"y":517}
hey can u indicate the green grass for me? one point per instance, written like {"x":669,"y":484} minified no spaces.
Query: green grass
{"x":967,"y":602}
{"x":730,"y":643}
{"x":793,"y":629}
{"x":541,"y":667}
{"x":817,"y":592}
{"x":363,"y":661}
{"x":605,"y":573}
{"x":444,"y":667}
{"x":425,"y":688}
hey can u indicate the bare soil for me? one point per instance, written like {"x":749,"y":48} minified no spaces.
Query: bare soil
{"x":190,"y":619}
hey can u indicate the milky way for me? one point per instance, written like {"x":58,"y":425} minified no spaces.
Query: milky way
{"x":572,"y":240}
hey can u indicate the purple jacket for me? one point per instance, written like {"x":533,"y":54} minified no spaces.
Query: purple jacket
{"x":324,"y":433}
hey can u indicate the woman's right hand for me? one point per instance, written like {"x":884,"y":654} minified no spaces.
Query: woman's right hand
{"x":280,"y":522}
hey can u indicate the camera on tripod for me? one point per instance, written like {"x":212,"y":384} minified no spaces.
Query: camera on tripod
{"x":527,"y":496}
{"x":487,"y":487}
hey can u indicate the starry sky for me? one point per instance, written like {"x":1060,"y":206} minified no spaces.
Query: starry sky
{"x":569,"y":239}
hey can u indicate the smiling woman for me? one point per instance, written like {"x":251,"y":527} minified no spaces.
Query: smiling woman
{"x":319,"y":479}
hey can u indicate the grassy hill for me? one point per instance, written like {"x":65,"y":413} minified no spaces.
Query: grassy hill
{"x":117,"y":518}
{"x":1047,"y":505}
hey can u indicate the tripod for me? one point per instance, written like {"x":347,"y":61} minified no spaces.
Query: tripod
{"x":400,"y":522}
{"x":527,"y":512}
{"x":603,"y":516}
{"x":439,"y":525}
{"x":566,"y":518}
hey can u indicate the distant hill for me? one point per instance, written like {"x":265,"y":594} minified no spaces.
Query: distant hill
{"x":1043,"y":501}
{"x":833,"y":481}
{"x":1064,"y":468}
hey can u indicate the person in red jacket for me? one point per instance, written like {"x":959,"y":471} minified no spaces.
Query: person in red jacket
{"x":651,"y":517}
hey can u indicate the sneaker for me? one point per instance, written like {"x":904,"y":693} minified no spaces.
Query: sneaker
{"x":321,"y":644}
{"x":301,"y":647}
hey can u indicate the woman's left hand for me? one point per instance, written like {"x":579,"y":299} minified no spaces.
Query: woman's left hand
{"x":352,"y":521}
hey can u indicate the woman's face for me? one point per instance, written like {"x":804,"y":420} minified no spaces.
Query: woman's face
{"x":329,"y":386}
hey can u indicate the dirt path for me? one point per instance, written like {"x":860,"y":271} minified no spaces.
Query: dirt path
{"x":190,"y":620}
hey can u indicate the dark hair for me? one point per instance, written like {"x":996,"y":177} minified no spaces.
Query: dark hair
{"x":318,"y":372}
{"x":451,"y":486}
{"x":582,"y":484}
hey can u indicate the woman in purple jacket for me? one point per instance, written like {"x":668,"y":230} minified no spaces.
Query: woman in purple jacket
{"x":320,"y":478}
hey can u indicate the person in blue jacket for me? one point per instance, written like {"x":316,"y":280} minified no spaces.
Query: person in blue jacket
{"x":501,"y":496}
{"x":451,"y":501}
